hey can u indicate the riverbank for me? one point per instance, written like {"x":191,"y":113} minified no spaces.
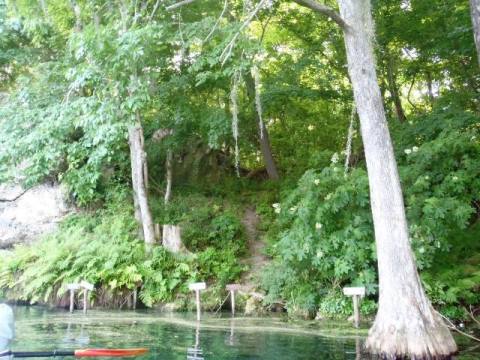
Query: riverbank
{"x":168,"y":336}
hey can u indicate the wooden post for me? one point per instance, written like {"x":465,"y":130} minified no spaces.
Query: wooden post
{"x":134,"y":299}
{"x":72,"y":288}
{"x":197,"y":299}
{"x":232,"y":288}
{"x":158,"y":232}
{"x":197,"y":287}
{"x":356,"y":312}
{"x":85,"y":296}
{"x":72,"y":300}
{"x":356,"y":293}
{"x":129,"y":300}
{"x":86,"y":287}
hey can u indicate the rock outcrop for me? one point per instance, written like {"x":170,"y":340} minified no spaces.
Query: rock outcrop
{"x":27,"y":214}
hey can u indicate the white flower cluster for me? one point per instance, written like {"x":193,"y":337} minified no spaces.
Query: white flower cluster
{"x":335,"y":158}
{"x":409,"y":151}
{"x":316,"y":181}
{"x":276,"y":208}
{"x":268,"y":4}
{"x":311,"y":127}
{"x":318,"y":226}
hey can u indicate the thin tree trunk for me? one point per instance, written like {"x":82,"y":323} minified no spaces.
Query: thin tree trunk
{"x":430,"y":87}
{"x":475,"y":12}
{"x":394,"y":92}
{"x":78,"y":16}
{"x":168,"y":163}
{"x":138,"y":162}
{"x":406,"y":324}
{"x":134,"y":165}
{"x":13,"y":5}
{"x":264,"y":138}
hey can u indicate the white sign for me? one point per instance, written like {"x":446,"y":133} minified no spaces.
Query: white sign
{"x":86,"y":285}
{"x":73,"y":286}
{"x":197,"y":286}
{"x":233,"y":287}
{"x":352,"y":291}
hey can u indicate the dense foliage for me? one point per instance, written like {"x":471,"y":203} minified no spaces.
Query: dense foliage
{"x":75,"y":75}
{"x":102,"y":247}
{"x":329,"y":214}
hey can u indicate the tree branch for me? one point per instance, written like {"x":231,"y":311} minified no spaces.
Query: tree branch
{"x":16,"y":197}
{"x":324,"y":10}
{"x":179,"y":4}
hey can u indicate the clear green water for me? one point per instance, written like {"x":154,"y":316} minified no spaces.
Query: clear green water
{"x":170,"y":336}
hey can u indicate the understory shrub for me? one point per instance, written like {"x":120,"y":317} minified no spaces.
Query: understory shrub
{"x":102,"y":247}
{"x":323,"y":236}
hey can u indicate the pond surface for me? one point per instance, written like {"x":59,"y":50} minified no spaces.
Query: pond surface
{"x":177,"y":336}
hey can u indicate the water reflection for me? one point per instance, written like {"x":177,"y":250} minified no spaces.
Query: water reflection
{"x":195,"y":352}
{"x":170,"y":337}
{"x":231,"y":341}
{"x":74,"y":337}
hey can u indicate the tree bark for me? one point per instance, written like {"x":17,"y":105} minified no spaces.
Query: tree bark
{"x":168,"y":165}
{"x":406,"y":324}
{"x":394,"y":92}
{"x":133,"y":162}
{"x":431,"y":96}
{"x":78,"y":16}
{"x":264,"y":138}
{"x":158,"y":136}
{"x":172,"y":239}
{"x":139,"y":173}
{"x":475,"y":12}
{"x":44,"y":8}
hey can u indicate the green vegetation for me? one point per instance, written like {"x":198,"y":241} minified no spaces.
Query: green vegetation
{"x":328,"y":214}
{"x":72,"y":84}
{"x":102,"y":246}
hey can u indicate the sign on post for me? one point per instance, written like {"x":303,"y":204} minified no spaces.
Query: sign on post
{"x":72,"y":287}
{"x":232,"y":288}
{"x":197,"y":287}
{"x":86,"y":285}
{"x":86,"y":288}
{"x":356,"y":293}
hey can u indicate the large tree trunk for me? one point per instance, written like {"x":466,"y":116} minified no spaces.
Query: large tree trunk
{"x":172,"y":239}
{"x":264,"y":138}
{"x":139,"y":182}
{"x":406,"y":324}
{"x":475,"y":11}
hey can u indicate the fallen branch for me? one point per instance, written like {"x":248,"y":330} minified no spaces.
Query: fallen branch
{"x":473,"y":316}
{"x":179,"y":4}
{"x":452,"y":326}
{"x":16,"y":197}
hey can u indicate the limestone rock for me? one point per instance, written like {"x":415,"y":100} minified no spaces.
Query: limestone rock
{"x":25,"y":215}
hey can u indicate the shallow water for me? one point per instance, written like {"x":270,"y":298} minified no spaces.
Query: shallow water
{"x":178,"y":336}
